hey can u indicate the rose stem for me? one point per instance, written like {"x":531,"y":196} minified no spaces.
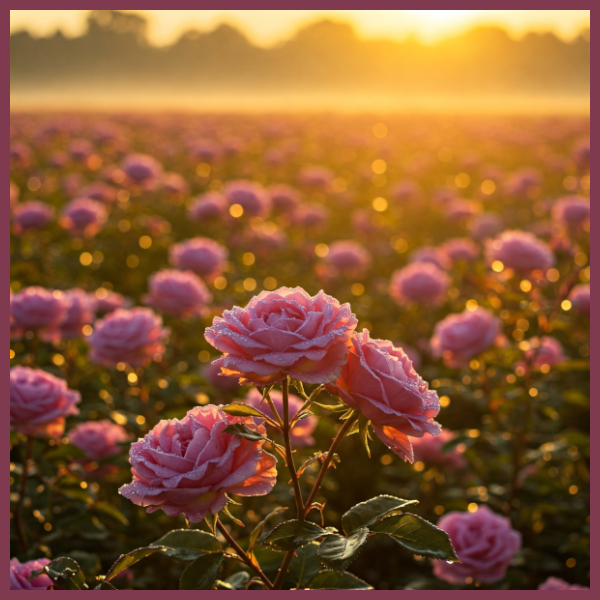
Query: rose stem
{"x":336,"y":442}
{"x":288,"y":450}
{"x":23,"y":494}
{"x":243,"y":555}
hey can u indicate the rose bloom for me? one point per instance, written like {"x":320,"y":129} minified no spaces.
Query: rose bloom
{"x":99,"y":191}
{"x":38,"y":309}
{"x":174,"y":183}
{"x":348,"y":255}
{"x":572,"y":210}
{"x":316,"y":176}
{"x":419,"y":282}
{"x":131,"y":336}
{"x":484,"y":542}
{"x":201,"y":255}
{"x":141,"y":168}
{"x":300,"y":433}
{"x":80,"y":149}
{"x":212,"y":373}
{"x":523,"y":180}
{"x":554,"y":583}
{"x":211,"y":205}
{"x":252,"y":197}
{"x":429,"y":254}
{"x":459,"y":337}
{"x":98,"y":439}
{"x":188,"y":466}
{"x":380,"y":381}
{"x":544,"y":351}
{"x":519,"y":250}
{"x":485,"y":225}
{"x":458,"y":249}
{"x":178,"y":293}
{"x":310,"y":215}
{"x":284,"y":197}
{"x":84,"y":216}
{"x":79,"y":313}
{"x":31,"y":216}
{"x":105,"y":301}
{"x":281,"y":333}
{"x":429,"y":449}
{"x":39,"y":402}
{"x":580,"y":298}
{"x":19,"y":574}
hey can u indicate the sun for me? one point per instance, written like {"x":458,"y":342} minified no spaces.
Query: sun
{"x":445,"y":17}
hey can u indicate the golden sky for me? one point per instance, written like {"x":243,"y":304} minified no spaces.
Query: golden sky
{"x":266,"y":27}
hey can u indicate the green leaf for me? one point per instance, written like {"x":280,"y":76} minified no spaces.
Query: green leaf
{"x":256,"y":532}
{"x":337,"y":552}
{"x":304,"y":566}
{"x":363,"y":429}
{"x":238,"y":580}
{"x":244,"y":410}
{"x":366,"y":513}
{"x":577,"y":397}
{"x":201,"y":574}
{"x":293,"y":534}
{"x":188,"y":544}
{"x":126,"y":560}
{"x":331,"y":580}
{"x":418,"y":536}
{"x":299,"y":416}
{"x":63,"y":571}
{"x":112,"y":511}
{"x":245,"y":432}
{"x":227,"y":512}
{"x":333,"y":407}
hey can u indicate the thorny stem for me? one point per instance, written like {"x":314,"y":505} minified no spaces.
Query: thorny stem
{"x":288,"y":450}
{"x":243,"y":555}
{"x":23,"y":494}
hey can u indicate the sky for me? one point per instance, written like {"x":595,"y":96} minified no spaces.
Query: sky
{"x":268,"y":27}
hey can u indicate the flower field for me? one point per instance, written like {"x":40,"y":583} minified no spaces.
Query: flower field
{"x":299,"y":352}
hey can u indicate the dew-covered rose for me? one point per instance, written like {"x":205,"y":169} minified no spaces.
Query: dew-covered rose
{"x":519,"y":250}
{"x":429,"y":449}
{"x":79,"y":314}
{"x":20,"y":572}
{"x":201,"y":255}
{"x":130,"y":336}
{"x":300,"y":433}
{"x":555,"y":583}
{"x":40,"y":310}
{"x":39,"y":402}
{"x":421,"y":282}
{"x":484,"y":542}
{"x":544,"y":351}
{"x":252,"y":197}
{"x":84,"y":216}
{"x":380,"y":381}
{"x":284,"y":332}
{"x":31,"y":215}
{"x":580,"y":298}
{"x":459,"y":337}
{"x":178,"y":293}
{"x":188,"y":466}
{"x":98,"y":439}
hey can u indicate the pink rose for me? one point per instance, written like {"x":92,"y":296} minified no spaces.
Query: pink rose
{"x":98,"y":439}
{"x":99,"y":191}
{"x":347,"y":255}
{"x":38,"y":309}
{"x":380,"y":382}
{"x":284,"y":197}
{"x":485,"y":225}
{"x":252,"y":197}
{"x":39,"y":402}
{"x":519,"y":250}
{"x":32,"y":215}
{"x":79,"y":313}
{"x":429,"y":254}
{"x":201,"y":255}
{"x":280,"y":333}
{"x":459,"y":337}
{"x":484,"y":542}
{"x":188,"y":466}
{"x":19,"y":575}
{"x":310,"y":215}
{"x":106,"y":301}
{"x":316,"y":176}
{"x":84,"y":217}
{"x":419,"y":282}
{"x":130,"y":336}
{"x":211,"y":205}
{"x":429,"y":449}
{"x":544,"y":351}
{"x":458,"y":249}
{"x":580,"y":298}
{"x":174,"y":183}
{"x":554,"y":583}
{"x":178,"y":293}
{"x":141,"y":168}
{"x":572,"y":210}
{"x":300,"y":433}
